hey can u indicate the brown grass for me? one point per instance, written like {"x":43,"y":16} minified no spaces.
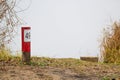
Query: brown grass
{"x":77,"y":66}
{"x":5,"y":54}
{"x":110,"y":46}
{"x":7,"y":59}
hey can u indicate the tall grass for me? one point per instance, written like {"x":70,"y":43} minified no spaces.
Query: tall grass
{"x":110,"y":45}
{"x":5,"y":54}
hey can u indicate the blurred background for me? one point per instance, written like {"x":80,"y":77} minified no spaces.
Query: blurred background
{"x":65,"y":28}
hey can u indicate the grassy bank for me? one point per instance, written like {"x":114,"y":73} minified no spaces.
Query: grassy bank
{"x":105,"y":71}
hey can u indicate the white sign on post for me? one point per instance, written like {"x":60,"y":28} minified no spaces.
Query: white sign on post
{"x":27,"y":36}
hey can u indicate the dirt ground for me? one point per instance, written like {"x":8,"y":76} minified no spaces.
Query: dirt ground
{"x":37,"y":73}
{"x":80,"y":71}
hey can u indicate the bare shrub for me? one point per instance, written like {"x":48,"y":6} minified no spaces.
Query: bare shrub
{"x":8,"y":21}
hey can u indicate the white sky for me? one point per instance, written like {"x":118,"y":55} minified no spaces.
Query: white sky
{"x":67,"y":28}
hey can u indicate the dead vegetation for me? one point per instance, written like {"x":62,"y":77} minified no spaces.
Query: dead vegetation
{"x":83,"y":69}
{"x":110,"y":45}
{"x":55,"y":69}
{"x":8,"y":21}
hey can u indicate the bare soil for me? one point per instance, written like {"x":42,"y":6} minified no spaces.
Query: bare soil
{"x":38,"y":73}
{"x":8,"y":71}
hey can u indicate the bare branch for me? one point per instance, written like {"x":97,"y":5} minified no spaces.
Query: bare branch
{"x":8,"y":21}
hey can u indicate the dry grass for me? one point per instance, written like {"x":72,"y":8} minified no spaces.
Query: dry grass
{"x":89,"y":69}
{"x":110,"y":46}
{"x":7,"y":59}
{"x":55,"y":62}
{"x":5,"y":54}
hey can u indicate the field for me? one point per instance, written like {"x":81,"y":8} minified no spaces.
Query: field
{"x":41,"y":68}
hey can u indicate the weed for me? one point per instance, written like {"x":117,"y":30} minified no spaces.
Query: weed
{"x":110,"y":45}
{"x":5,"y":54}
{"x":105,"y":78}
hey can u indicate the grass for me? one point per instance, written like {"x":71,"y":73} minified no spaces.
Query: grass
{"x":105,"y":78}
{"x":63,"y":62}
{"x":5,"y":55}
{"x":110,"y":44}
{"x":103,"y":70}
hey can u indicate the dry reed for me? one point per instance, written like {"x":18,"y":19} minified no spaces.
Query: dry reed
{"x":110,"y":45}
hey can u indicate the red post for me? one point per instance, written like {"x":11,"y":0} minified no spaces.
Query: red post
{"x":26,"y":47}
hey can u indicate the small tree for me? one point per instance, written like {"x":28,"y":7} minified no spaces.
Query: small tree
{"x":8,"y":21}
{"x":110,"y":45}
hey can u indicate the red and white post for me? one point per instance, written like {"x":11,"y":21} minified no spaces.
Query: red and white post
{"x":26,"y":44}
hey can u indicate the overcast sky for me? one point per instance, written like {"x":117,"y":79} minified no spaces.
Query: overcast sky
{"x":67,"y":28}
